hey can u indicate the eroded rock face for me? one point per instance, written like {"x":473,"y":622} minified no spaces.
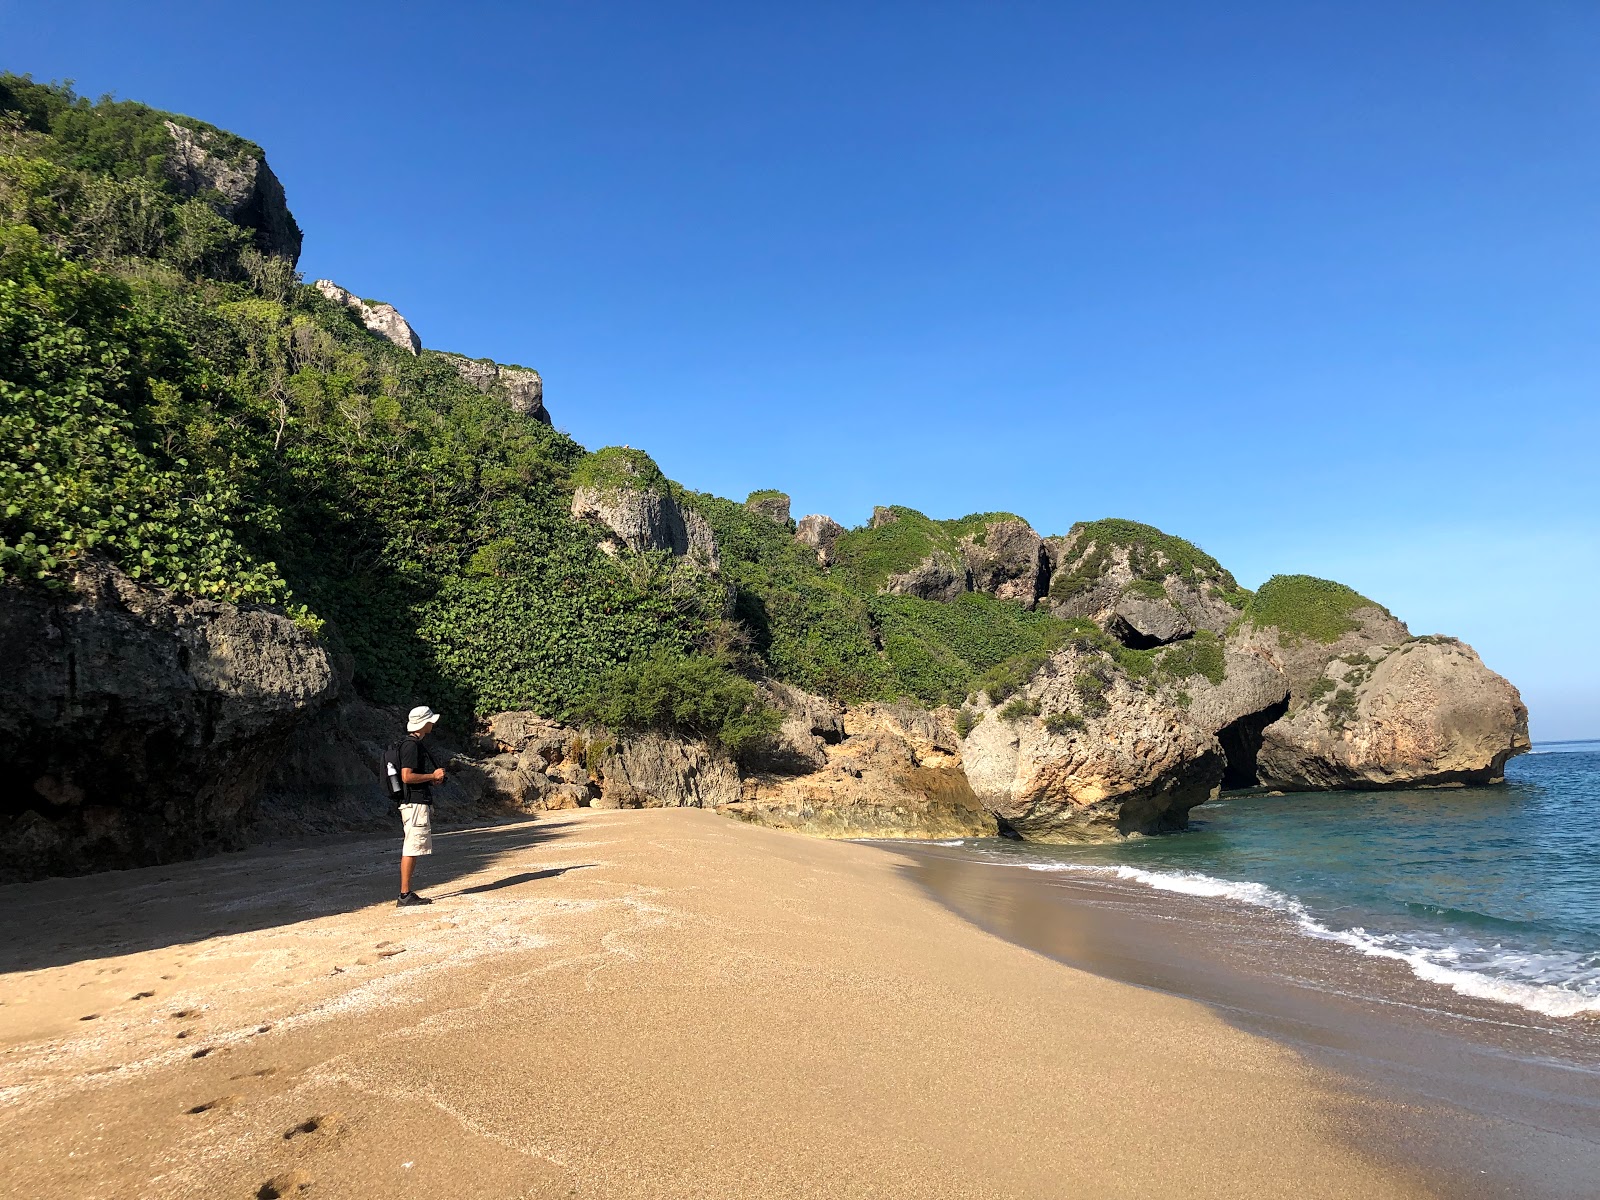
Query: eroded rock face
{"x":940,"y":576}
{"x":895,"y":773}
{"x":1135,"y":592}
{"x":138,"y":727}
{"x":1379,"y":708}
{"x":382,"y":319}
{"x":821,"y":534}
{"x":1137,"y":762}
{"x":1006,"y":560}
{"x":522,"y":387}
{"x":1251,"y":696}
{"x":653,"y":770}
{"x":201,"y":161}
{"x":810,"y":725}
{"x":649,"y":519}
{"x":772,"y":505}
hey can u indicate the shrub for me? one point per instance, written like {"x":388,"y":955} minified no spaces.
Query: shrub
{"x":1018,"y":707}
{"x":1302,"y":606}
{"x":966,"y":720}
{"x":1062,"y":723}
{"x":686,"y":694}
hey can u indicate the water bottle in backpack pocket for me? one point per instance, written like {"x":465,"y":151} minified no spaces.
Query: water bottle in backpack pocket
{"x":393,"y":786}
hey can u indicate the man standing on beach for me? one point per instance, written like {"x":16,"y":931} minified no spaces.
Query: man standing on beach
{"x":417,"y":775}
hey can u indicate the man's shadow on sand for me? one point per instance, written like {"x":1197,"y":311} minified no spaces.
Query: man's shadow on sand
{"x":116,"y":913}
{"x":513,"y":881}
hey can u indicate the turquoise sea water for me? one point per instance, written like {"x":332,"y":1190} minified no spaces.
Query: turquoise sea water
{"x":1494,"y":892}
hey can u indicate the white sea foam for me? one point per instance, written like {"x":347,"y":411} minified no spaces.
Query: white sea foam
{"x":1556,"y":983}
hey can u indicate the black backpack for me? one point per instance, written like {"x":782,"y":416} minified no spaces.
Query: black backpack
{"x":393,"y":786}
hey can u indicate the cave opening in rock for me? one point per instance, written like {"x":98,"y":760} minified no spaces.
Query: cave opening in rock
{"x":1041,"y":578}
{"x":1241,"y":743}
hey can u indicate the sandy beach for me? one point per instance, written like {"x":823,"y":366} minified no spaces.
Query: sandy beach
{"x":626,"y":1004}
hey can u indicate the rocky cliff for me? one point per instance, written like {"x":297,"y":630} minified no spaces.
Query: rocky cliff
{"x":382,"y":319}
{"x":623,"y":490}
{"x":139,"y":727}
{"x":206,"y":161}
{"x":522,"y":387}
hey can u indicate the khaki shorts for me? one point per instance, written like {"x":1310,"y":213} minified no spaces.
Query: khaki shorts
{"x":417,"y":820}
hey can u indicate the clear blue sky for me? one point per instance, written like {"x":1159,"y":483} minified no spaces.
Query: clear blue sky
{"x":1315,"y":285}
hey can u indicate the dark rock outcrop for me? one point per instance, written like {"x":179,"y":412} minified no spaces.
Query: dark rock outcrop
{"x":382,"y":319}
{"x":940,"y":576}
{"x":138,"y":727}
{"x":821,"y":534}
{"x":204,"y":161}
{"x":521,"y":387}
{"x":1005,"y":558}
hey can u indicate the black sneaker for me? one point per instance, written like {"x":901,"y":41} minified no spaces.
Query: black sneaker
{"x":407,"y":899}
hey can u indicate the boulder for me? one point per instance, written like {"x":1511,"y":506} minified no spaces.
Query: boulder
{"x":204,"y":160}
{"x":1144,"y":587}
{"x":772,"y":505}
{"x":1378,"y":708}
{"x":379,"y":318}
{"x":1084,"y":753}
{"x":810,"y":725}
{"x":627,"y":494}
{"x":656,"y":770}
{"x":521,"y":387}
{"x":138,"y":726}
{"x":895,"y":773}
{"x":1005,"y":558}
{"x":820,"y":533}
{"x":940,"y":576}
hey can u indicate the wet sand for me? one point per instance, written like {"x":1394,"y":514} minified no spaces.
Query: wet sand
{"x":1508,"y":1096}
{"x":629,"y":1004}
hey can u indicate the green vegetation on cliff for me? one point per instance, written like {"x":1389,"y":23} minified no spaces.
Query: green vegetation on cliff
{"x":1153,"y":557}
{"x":175,"y":400}
{"x":1303,"y":606}
{"x":901,"y":539}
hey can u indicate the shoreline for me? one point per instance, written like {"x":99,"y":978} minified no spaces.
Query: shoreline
{"x":1519,"y":1089}
{"x":659,"y":1003}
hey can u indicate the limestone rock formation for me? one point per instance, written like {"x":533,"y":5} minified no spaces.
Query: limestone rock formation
{"x":1084,"y":753}
{"x":522,"y":387}
{"x":654,"y":770}
{"x":630,"y":498}
{"x":203,"y":160}
{"x":1142,"y":586}
{"x":820,"y":533}
{"x":1251,"y":695}
{"x":1006,"y":559}
{"x":382,"y":319}
{"x":1375,"y":707}
{"x":138,"y":727}
{"x":771,"y":504}
{"x":940,"y":576}
{"x":895,"y":773}
{"x":810,"y":725}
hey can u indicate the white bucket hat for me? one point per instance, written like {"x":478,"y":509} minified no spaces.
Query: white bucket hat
{"x":421,"y":717}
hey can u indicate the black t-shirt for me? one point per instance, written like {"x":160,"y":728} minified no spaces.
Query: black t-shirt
{"x":414,"y":756}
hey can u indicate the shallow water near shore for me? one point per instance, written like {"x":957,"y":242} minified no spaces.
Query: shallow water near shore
{"x":1491,"y":892}
{"x":1436,"y":947}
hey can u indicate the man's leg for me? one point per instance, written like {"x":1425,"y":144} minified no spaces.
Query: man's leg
{"x":407,"y":861}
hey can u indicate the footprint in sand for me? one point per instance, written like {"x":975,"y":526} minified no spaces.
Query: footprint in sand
{"x":90,"y":1017}
{"x":212,"y":1105}
{"x":181,"y":1014}
{"x":141,"y":996}
{"x":322,"y":1123}
{"x":261,"y":1074}
{"x":202,"y":1052}
{"x":280,"y":1186}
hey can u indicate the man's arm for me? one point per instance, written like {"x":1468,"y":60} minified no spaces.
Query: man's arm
{"x":408,"y":776}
